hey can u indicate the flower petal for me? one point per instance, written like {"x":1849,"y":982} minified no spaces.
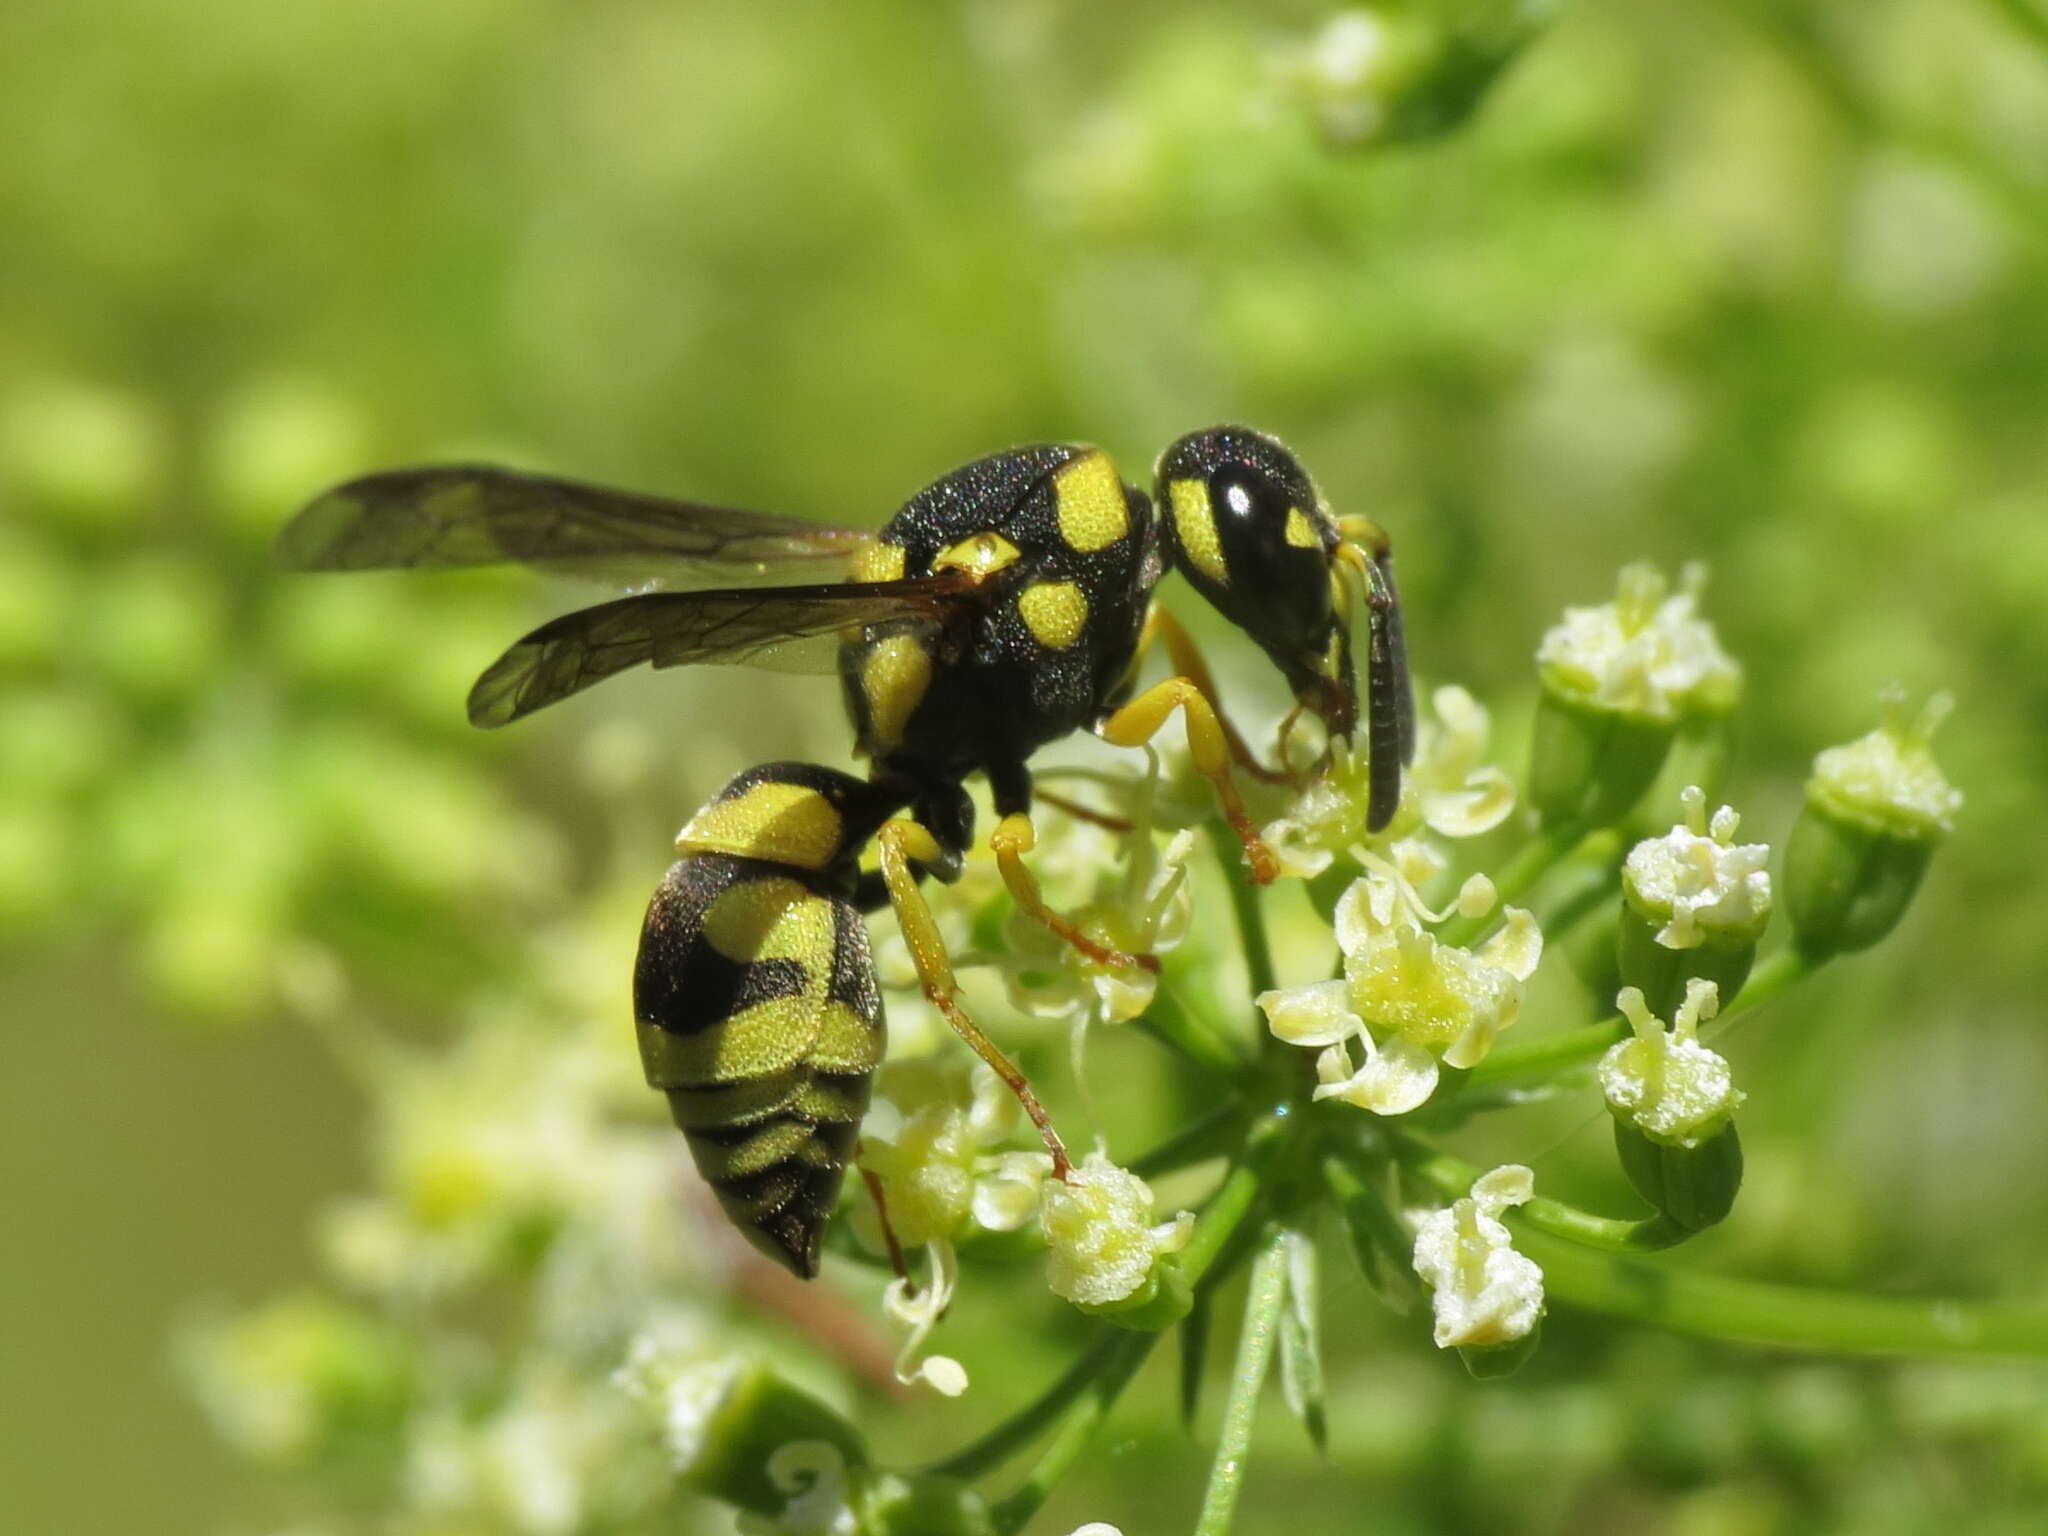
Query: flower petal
{"x":1317,"y":1014}
{"x":1517,"y":947}
{"x":1479,"y":805}
{"x":1396,"y":1078}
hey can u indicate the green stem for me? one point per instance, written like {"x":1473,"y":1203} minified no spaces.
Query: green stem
{"x":1531,"y":863}
{"x":1773,"y":975}
{"x":996,"y":1446}
{"x":1551,"y":1053}
{"x":1379,"y":1242}
{"x":1082,"y":1396}
{"x":2023,"y":16}
{"x":1119,"y":1362}
{"x":1254,"y":1359}
{"x":1783,"y":1316}
{"x":1216,"y":1133}
{"x":1220,"y":1218}
{"x":1716,"y":1306}
{"x":1452,"y":1179}
{"x":1168,"y":1022}
{"x":1596,"y":886}
{"x":1244,"y":906}
{"x":1548,"y":1054}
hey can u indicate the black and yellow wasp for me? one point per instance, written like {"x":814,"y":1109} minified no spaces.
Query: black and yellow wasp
{"x":1005,"y":606}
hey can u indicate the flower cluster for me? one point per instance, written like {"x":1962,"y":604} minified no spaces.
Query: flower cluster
{"x":514,"y":1158}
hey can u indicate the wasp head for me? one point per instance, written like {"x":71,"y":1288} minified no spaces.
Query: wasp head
{"x":1245,"y":524}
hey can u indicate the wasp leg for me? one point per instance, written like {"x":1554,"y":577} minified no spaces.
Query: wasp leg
{"x":1146,"y":715}
{"x":874,"y":1187}
{"x":1087,"y":813}
{"x":1014,"y":837}
{"x":904,"y":844}
{"x":1281,"y":737}
{"x":1188,"y":662}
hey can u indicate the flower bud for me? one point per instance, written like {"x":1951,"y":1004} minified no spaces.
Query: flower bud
{"x":1618,"y":681}
{"x":1106,"y":1255}
{"x":1491,"y":1362}
{"x":1588,"y":766}
{"x":1876,"y":809}
{"x":1694,"y":1186}
{"x":921,"y":1504}
{"x":1669,"y":1086}
{"x":1694,"y":903}
{"x":1392,"y":73}
{"x":734,"y":1428}
{"x":1671,"y":1099}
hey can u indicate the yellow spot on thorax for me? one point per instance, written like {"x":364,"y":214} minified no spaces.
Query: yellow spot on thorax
{"x":876,"y":561}
{"x":981,"y":556}
{"x":1055,"y":612}
{"x":893,"y":679}
{"x":1300,"y":532}
{"x":1092,"y":511}
{"x":1194,"y":523}
{"x":782,"y":823}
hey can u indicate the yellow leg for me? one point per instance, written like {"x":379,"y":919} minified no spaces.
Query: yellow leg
{"x":901,"y":842}
{"x":1188,"y":662}
{"x":1366,"y":533}
{"x":1014,"y":837}
{"x":1143,"y":718}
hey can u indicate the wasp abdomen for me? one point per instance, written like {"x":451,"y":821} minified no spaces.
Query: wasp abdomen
{"x":759,"y":1017}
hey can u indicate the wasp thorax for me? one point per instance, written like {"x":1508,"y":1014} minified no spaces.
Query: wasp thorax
{"x":1246,"y":527}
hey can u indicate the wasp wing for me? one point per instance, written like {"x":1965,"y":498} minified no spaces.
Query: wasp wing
{"x":795,"y":628}
{"x":461,"y":515}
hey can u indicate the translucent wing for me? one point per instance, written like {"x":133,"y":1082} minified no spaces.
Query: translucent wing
{"x":798,"y":628}
{"x":456,"y":515}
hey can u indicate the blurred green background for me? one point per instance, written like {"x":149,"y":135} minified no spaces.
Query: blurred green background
{"x":1757,"y":282}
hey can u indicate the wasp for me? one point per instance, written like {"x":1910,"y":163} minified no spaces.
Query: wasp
{"x":1004,"y":606}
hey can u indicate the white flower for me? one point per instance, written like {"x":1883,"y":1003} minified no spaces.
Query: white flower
{"x":1352,"y":75}
{"x":1408,"y":1001}
{"x":1483,"y":1292}
{"x":1699,"y":880}
{"x":534,"y":1466}
{"x":1888,"y":781}
{"x":1669,"y":1086}
{"x":1098,"y":1227}
{"x":1647,"y":654}
{"x":940,"y":1182}
{"x":1144,"y":912}
{"x":1449,"y":789}
{"x":932,"y":1153}
{"x":1459,"y":794}
{"x":678,"y":1382}
{"x":919,"y":1311}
